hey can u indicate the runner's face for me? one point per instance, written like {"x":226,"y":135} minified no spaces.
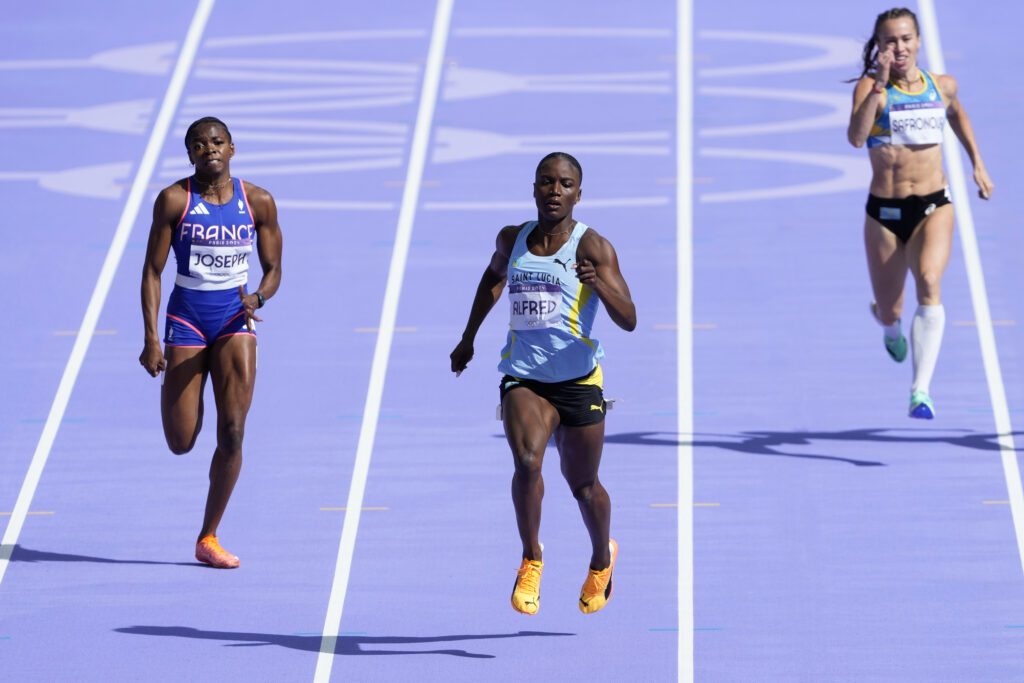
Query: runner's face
{"x":210,"y":150}
{"x":556,"y":189}
{"x":900,"y":37}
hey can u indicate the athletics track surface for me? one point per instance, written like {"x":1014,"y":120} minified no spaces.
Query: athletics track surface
{"x":832,"y":538}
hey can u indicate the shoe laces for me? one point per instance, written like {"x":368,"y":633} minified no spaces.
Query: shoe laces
{"x":597,"y":581}
{"x":529,"y":577}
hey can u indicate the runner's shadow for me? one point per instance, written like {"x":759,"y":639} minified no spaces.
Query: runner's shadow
{"x":23,"y":554}
{"x":768,"y":442}
{"x":346,"y":645}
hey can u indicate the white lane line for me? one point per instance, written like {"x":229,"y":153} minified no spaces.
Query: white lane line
{"x":979,"y":295}
{"x":389,"y":312}
{"x":684,"y":322}
{"x":109,"y":269}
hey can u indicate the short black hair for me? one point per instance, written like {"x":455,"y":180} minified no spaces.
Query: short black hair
{"x":203,"y":121}
{"x":562,"y":155}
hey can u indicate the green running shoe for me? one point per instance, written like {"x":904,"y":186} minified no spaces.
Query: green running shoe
{"x":921,"y":406}
{"x":897,"y":347}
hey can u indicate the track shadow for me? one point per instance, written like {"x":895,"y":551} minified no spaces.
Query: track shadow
{"x":346,"y":645}
{"x":768,"y":442}
{"x":23,"y":554}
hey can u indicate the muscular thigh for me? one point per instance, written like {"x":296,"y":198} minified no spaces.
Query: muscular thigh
{"x":233,"y":371}
{"x":528,"y":419}
{"x":929,"y":247}
{"x":579,"y":449}
{"x":181,"y":394}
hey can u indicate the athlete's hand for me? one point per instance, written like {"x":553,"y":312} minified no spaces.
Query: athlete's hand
{"x":587,"y":273}
{"x":249,"y":302}
{"x":152,"y":359}
{"x":984,"y":183}
{"x":461,"y":356}
{"x":884,"y":64}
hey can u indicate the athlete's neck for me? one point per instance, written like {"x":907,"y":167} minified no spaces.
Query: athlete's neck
{"x":214,"y":183}
{"x":562,"y":227}
{"x":907,"y":82}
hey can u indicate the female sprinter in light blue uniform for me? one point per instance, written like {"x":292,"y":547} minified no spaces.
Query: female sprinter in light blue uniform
{"x":212,"y":221}
{"x":901,"y":111}
{"x":557,"y":270}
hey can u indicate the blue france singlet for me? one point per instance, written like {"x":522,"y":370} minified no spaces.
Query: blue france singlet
{"x":213,"y":242}
{"x":551,"y":314}
{"x":910,"y":118}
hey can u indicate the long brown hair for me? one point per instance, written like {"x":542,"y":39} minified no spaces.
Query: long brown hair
{"x":870,"y":53}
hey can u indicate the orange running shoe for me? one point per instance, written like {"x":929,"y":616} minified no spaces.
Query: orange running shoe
{"x":597,"y":589}
{"x":209,"y":551}
{"x":526,"y":592}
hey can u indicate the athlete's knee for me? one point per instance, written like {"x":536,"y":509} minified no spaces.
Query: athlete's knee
{"x":584,"y":493}
{"x":528,"y":461}
{"x":230,"y":436}
{"x":180,"y":444}
{"x":929,"y":282}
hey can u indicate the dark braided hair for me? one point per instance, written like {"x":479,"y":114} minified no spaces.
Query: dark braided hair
{"x":871,"y":47}
{"x":203,"y":121}
{"x":562,"y":155}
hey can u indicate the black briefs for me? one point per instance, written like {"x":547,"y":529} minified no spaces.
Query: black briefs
{"x":902,"y":216}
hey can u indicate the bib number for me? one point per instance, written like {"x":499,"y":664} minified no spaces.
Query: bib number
{"x":917,"y":123}
{"x":219,"y":264}
{"x":535,"y":306}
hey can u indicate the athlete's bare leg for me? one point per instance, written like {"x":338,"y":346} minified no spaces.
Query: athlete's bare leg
{"x":580,"y":451}
{"x":928,"y":251}
{"x":233,"y":370}
{"x":181,"y":396}
{"x":887,"y":266}
{"x":529,"y":421}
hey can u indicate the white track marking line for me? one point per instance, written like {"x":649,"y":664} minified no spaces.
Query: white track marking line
{"x":389,"y":312}
{"x":979,"y":295}
{"x":130,"y":213}
{"x":684,"y":322}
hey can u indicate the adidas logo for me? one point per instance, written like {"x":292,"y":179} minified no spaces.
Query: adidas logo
{"x":199,"y":210}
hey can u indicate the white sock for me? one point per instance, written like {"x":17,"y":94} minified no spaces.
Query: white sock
{"x":925,"y":339}
{"x":891,"y":331}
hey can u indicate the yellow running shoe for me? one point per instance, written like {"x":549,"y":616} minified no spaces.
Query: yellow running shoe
{"x":526,"y":592}
{"x":209,"y":551}
{"x":597,"y":589}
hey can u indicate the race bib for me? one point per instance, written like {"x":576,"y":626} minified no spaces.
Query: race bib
{"x":535,"y":306}
{"x":219,"y":264}
{"x":917,"y":123}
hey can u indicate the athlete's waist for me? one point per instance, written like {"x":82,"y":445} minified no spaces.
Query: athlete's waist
{"x":209,"y":285}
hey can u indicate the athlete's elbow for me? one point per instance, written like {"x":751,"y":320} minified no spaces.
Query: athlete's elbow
{"x":856,"y":140}
{"x":628,"y":323}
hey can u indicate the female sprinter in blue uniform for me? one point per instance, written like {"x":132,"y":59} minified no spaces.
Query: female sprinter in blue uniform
{"x":211,"y":220}
{"x":557,"y":269}
{"x":900,"y":111}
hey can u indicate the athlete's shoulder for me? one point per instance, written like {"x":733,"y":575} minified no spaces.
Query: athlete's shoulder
{"x":946,"y":84}
{"x":254,"y":193}
{"x":507,"y":236}
{"x":172,"y":200}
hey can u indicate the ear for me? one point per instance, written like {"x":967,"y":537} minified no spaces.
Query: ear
{"x":579,"y":195}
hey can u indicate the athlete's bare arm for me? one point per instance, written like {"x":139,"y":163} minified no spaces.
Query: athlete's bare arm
{"x":961,"y":125}
{"x":598,"y":268}
{"x":492,"y":282}
{"x":268,"y":245}
{"x":167,"y":210}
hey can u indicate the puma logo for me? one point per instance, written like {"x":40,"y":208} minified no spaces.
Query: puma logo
{"x":598,"y":408}
{"x":565,"y":265}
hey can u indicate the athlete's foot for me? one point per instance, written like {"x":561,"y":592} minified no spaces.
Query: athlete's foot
{"x":921,"y":406}
{"x":895,"y":347}
{"x":526,"y":592}
{"x":209,"y":551}
{"x":597,"y":589}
